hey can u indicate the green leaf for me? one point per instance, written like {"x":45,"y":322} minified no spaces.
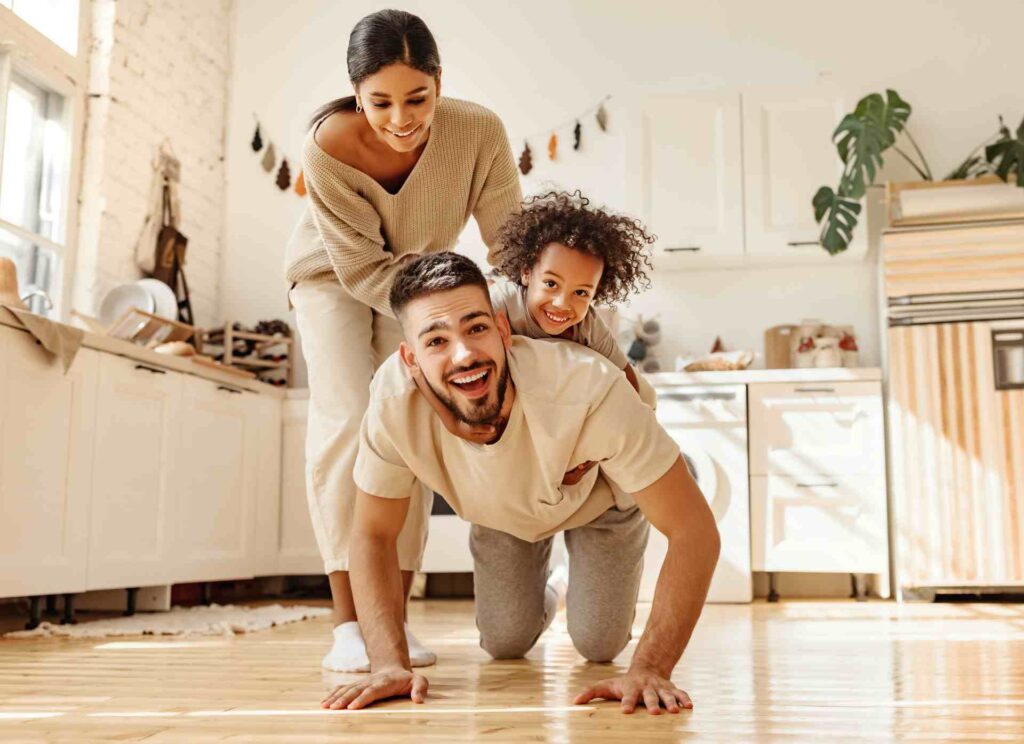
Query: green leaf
{"x":864,"y":135}
{"x":1006,"y":155}
{"x":861,"y":143}
{"x":840,"y":215}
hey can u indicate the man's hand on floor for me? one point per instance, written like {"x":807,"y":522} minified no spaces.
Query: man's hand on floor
{"x":635,"y":688}
{"x":378,"y":686}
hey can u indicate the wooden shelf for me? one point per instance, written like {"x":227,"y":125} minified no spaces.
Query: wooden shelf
{"x":226,"y":337}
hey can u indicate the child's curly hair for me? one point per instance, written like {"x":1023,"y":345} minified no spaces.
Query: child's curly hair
{"x":561,"y":217}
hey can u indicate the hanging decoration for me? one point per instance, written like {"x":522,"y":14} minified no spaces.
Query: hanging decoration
{"x":284,"y":176}
{"x":257,"y":141}
{"x":552,"y":134}
{"x":270,"y":161}
{"x":526,"y":160}
{"x":269,"y":158}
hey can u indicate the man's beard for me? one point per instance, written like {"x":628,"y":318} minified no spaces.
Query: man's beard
{"x":482,"y":411}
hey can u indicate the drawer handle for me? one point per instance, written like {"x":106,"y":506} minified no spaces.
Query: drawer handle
{"x":689,"y":397}
{"x":153,"y":370}
{"x":230,"y":390}
{"x":803,"y":243}
{"x":683,"y":249}
{"x":817,"y":485}
{"x":815,"y":390}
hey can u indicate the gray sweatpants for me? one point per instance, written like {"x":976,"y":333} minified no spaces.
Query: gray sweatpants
{"x":605,"y":563}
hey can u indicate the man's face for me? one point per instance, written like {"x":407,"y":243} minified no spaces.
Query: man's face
{"x":459,"y":345}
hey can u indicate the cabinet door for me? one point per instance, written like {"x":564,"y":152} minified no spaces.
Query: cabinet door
{"x":818,"y":524}
{"x":788,"y":154}
{"x":685,"y":178}
{"x":265,"y":545}
{"x":214,"y":485}
{"x":46,"y":419}
{"x":298,"y":550}
{"x":134,"y":459}
{"x":833,"y":428}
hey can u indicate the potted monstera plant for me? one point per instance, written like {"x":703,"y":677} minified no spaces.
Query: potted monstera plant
{"x":874,"y":128}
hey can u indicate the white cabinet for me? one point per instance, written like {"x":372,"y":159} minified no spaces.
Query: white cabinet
{"x":46,"y":419}
{"x":686,"y":177}
{"x":216,"y":476}
{"x":266,"y":531}
{"x":727,"y":179}
{"x":788,"y":154}
{"x":802,"y":428}
{"x":817,"y":478}
{"x":134,"y":444}
{"x":819,"y":523}
{"x":297,"y":549}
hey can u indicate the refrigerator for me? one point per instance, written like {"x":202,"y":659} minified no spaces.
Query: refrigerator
{"x":956,"y":433}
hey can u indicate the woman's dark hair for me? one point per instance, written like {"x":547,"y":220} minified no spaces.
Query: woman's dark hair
{"x":381,"y":39}
{"x":561,"y":217}
{"x":432,"y":273}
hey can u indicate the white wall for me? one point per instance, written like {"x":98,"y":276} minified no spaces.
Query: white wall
{"x":157,"y":70}
{"x":538,"y":63}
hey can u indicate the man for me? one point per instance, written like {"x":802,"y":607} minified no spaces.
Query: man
{"x":555,"y":405}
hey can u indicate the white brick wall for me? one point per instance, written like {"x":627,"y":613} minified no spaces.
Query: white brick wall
{"x":158,"y":69}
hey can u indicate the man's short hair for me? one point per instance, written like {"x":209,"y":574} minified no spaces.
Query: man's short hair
{"x":432,"y":273}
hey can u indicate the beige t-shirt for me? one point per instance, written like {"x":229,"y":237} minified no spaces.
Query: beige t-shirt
{"x":592,"y":332}
{"x":571,"y":406}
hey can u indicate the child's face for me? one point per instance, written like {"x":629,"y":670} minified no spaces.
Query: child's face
{"x":560,"y":287}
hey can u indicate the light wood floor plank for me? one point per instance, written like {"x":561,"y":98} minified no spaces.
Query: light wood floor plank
{"x":794,"y":671}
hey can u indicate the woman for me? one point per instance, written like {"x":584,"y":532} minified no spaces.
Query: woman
{"x":392,"y":172}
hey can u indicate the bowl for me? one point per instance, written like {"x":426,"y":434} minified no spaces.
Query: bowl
{"x":163,"y":296}
{"x":123,"y":297}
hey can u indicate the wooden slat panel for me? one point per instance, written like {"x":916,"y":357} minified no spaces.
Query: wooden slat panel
{"x":957,"y":459}
{"x":968,"y":259}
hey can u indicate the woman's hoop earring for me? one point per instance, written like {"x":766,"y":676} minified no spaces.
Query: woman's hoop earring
{"x":359,"y":109}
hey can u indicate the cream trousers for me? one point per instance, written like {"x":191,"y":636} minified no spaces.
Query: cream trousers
{"x":344,"y":341}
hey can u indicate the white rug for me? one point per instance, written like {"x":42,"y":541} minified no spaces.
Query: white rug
{"x":180,"y":621}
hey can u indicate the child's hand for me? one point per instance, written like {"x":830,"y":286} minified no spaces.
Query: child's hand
{"x":478,"y":433}
{"x":574,"y":476}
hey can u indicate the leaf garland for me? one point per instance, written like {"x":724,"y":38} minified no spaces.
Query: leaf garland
{"x":269,"y":162}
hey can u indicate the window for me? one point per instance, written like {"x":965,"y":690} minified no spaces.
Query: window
{"x":57,"y":20}
{"x":41,"y":105}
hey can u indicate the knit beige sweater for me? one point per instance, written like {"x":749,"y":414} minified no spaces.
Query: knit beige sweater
{"x":355,"y":229}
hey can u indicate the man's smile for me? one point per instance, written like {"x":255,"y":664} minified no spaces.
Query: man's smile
{"x":473,"y":383}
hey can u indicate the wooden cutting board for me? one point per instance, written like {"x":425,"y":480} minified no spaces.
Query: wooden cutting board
{"x":777,"y":340}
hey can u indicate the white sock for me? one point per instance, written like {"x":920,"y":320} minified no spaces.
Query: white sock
{"x":418,"y":655}
{"x":558,"y":584}
{"x":348,"y":654}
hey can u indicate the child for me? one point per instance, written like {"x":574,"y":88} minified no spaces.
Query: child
{"x":558,"y":257}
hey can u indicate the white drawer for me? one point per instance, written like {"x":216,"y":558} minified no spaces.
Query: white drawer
{"x":799,"y":428}
{"x":818,"y":524}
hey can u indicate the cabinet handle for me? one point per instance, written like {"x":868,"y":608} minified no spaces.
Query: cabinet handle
{"x":230,"y":390}
{"x":683,"y":249}
{"x":815,"y":390}
{"x":817,"y":485}
{"x":803,"y":243}
{"x":153,"y":370}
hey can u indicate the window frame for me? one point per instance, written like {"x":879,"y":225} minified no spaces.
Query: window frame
{"x":29,"y":53}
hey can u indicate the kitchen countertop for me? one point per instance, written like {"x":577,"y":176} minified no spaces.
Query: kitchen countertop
{"x":119,"y":347}
{"x":745,"y":376}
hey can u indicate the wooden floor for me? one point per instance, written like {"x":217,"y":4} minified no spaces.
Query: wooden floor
{"x":794,"y":671}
